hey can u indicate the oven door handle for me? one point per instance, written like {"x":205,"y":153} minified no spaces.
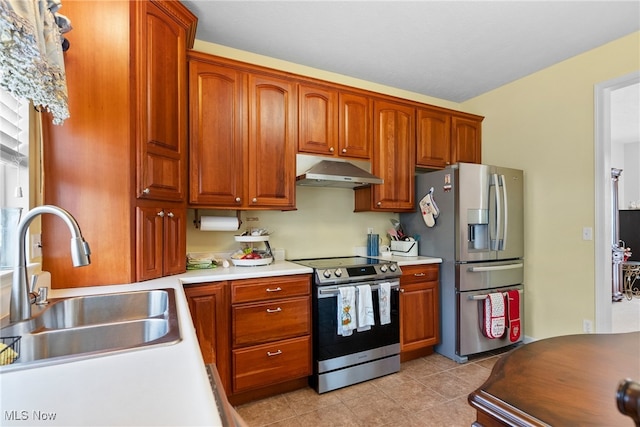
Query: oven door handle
{"x":333,"y":290}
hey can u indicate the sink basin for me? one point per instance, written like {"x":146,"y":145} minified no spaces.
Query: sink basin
{"x":89,"y":326}
{"x":109,"y":308}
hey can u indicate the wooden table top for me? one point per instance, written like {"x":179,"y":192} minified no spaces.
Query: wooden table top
{"x":562,"y":381}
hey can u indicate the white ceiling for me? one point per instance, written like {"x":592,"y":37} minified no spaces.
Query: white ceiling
{"x":452,"y":50}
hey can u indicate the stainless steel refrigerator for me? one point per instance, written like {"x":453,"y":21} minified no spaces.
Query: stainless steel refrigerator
{"x":471,"y":216}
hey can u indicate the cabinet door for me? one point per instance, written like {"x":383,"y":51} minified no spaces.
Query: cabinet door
{"x":419,"y":302}
{"x":318,"y":125}
{"x":354,"y":125}
{"x":162,"y":105}
{"x":174,"y":241}
{"x":272,"y":142}
{"x":149,"y":248}
{"x":433,"y":139}
{"x":209,"y":307}
{"x":394,"y":157}
{"x":465,"y":138}
{"x":216,"y":135}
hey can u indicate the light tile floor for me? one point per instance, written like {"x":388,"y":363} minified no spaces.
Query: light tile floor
{"x":431,"y":391}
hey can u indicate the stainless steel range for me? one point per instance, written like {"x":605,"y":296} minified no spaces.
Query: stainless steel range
{"x":340,"y":360}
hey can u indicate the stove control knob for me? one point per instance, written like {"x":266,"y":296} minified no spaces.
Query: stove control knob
{"x":393,"y":267}
{"x":383,"y":268}
{"x":327,"y":273}
{"x":338,"y":272}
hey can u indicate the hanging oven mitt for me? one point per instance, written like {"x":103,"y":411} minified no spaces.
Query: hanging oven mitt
{"x":494,"y":316}
{"x":513,"y":311}
{"x":429,"y":209}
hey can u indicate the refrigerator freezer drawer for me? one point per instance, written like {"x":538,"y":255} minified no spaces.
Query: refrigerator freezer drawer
{"x":471,"y":340}
{"x":488,"y":275}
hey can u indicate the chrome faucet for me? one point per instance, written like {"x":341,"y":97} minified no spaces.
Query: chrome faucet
{"x":20,"y":304}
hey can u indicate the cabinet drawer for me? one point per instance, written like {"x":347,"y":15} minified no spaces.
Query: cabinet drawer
{"x":270,"y":321}
{"x":271,"y":363}
{"x":419,"y":273}
{"x":251,"y":290}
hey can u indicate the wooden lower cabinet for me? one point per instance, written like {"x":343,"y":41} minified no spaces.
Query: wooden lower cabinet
{"x":419,"y":310}
{"x":209,"y":307}
{"x":271,"y":331}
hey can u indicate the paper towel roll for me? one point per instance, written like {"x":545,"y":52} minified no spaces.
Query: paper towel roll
{"x":219,"y":223}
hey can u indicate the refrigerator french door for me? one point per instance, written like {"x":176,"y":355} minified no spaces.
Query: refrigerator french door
{"x":479,"y":235}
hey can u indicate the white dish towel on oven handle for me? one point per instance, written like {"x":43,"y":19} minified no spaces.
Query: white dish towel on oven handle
{"x":365,"y":308}
{"x":384,"y":300}
{"x":346,"y":310}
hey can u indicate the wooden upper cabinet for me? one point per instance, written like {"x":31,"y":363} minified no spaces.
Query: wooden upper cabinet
{"x":243,"y":130}
{"x":393,"y":160}
{"x":217,"y":144}
{"x":334,"y":123}
{"x":465,"y":140}
{"x":433,"y":139}
{"x":317,"y":120}
{"x":354,"y":125}
{"x":160,"y":49}
{"x":271,"y":152}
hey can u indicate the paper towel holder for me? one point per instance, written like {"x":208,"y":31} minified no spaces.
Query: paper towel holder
{"x":196,"y":221}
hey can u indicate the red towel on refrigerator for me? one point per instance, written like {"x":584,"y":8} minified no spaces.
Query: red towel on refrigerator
{"x":494,"y":316}
{"x":513,"y":314}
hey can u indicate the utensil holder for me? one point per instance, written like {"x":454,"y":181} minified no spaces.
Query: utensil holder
{"x":403,"y":248}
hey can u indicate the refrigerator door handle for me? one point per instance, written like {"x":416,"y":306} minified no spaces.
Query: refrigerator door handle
{"x":496,"y":268}
{"x":503,"y":242}
{"x":495,"y":244}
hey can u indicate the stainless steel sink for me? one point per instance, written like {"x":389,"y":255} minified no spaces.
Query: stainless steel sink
{"x":89,"y":326}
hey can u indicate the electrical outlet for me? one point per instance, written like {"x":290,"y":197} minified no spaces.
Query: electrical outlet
{"x":36,"y":245}
{"x":587,"y":326}
{"x":587,"y":233}
{"x":370,"y":230}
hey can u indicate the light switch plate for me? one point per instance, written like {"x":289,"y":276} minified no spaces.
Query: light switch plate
{"x":587,"y":233}
{"x":36,"y":245}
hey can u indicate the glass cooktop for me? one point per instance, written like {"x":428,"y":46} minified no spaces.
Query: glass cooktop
{"x":336,"y":262}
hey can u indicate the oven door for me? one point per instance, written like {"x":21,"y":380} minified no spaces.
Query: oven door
{"x":329,"y":345}
{"x":471,"y":338}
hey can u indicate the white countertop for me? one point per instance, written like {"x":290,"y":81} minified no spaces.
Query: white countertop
{"x":411,"y":260}
{"x":157,"y":386}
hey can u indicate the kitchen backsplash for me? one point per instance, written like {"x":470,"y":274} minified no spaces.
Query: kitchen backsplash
{"x":324,"y":224}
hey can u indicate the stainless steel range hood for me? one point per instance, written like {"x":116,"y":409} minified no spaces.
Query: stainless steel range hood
{"x":331,"y":173}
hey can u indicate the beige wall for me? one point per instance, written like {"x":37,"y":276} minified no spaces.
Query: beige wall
{"x":544,"y":124}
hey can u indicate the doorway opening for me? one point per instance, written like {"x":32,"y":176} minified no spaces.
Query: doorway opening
{"x":603,"y":198}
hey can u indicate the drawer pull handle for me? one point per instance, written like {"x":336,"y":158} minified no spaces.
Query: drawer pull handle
{"x":278,"y":289}
{"x":274,"y":354}
{"x":418,"y":274}
{"x":274,"y":311}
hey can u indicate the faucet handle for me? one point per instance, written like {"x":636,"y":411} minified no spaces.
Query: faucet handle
{"x":34,"y":280}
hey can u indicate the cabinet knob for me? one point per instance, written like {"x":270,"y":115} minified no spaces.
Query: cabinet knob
{"x":170,"y":214}
{"x":254,"y":200}
{"x":238,"y":199}
{"x":344,"y":150}
{"x":146,"y":191}
{"x":379,"y":204}
{"x":331,"y":149}
{"x":401,"y":290}
{"x":161,"y":214}
{"x":274,"y":353}
{"x":277,"y":310}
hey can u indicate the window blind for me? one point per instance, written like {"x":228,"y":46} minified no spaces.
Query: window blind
{"x":14,"y":121}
